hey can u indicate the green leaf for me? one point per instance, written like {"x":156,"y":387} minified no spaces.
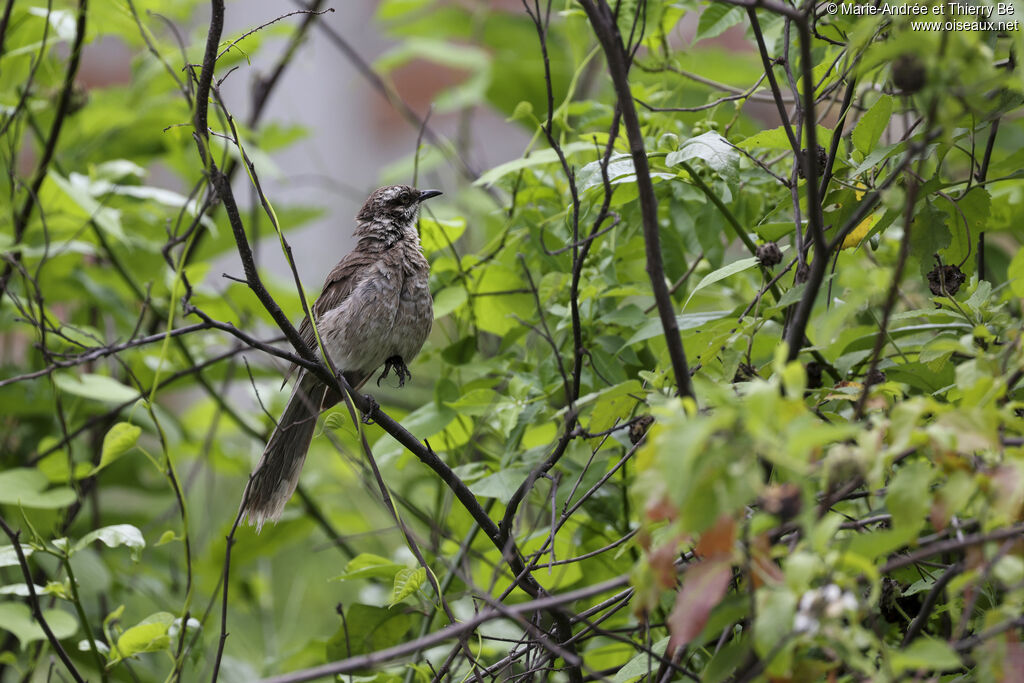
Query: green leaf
{"x":776,"y":138}
{"x":712,"y":149}
{"x":105,"y":217}
{"x":27,"y":487}
{"x":366,"y":629}
{"x":775,"y":612}
{"x":121,"y":438}
{"x":544,"y":156}
{"x":685,"y":321}
{"x":9,"y":556}
{"x":149,"y":635}
{"x":449,"y":300}
{"x":436,"y":235}
{"x":974,"y":209}
{"x":114,"y":536}
{"x":926,"y":654}
{"x":714,"y":276}
{"x":407,"y":581}
{"x":96,"y":387}
{"x":872,"y":124}
{"x":775,"y":230}
{"x":717,"y":18}
{"x":17,"y":619}
{"x":929,"y":235}
{"x":1015,"y":273}
{"x":620,"y":170}
{"x":501,"y":485}
{"x":641,"y":665}
{"x":369,"y":566}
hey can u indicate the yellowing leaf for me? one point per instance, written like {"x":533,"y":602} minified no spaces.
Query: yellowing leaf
{"x":858,"y":234}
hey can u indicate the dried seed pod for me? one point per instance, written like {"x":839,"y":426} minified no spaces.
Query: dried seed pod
{"x":639,"y":428}
{"x":813,"y":375}
{"x":769,"y":254}
{"x":822,"y":160}
{"x":945,"y":280}
{"x":873,"y":377}
{"x":908,"y":73}
{"x":744,"y":373}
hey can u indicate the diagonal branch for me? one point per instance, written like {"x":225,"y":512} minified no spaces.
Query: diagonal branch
{"x":607,"y":31}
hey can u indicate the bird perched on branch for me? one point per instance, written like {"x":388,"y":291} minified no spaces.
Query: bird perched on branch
{"x":375,"y":309}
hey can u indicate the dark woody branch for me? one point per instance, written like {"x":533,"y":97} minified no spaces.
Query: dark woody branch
{"x":603,"y":21}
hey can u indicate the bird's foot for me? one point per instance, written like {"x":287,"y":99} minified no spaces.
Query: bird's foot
{"x":373,"y":408}
{"x":400,"y":368}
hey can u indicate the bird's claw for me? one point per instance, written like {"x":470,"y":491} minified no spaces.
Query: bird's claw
{"x":400,"y":368}
{"x":368,"y":414}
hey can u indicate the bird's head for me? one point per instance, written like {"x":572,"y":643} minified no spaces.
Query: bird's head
{"x":392,"y":209}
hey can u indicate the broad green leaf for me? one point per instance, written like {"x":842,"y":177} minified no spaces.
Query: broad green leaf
{"x":9,"y":556}
{"x":27,"y":487}
{"x":149,"y":635}
{"x":973,"y":209}
{"x":367,"y":628}
{"x":1015,"y":273}
{"x":620,"y":170}
{"x":712,"y":149}
{"x":16,"y":618}
{"x":776,"y":138}
{"x":21,"y":590}
{"x":717,"y":18}
{"x":121,"y":438}
{"x":775,"y":612}
{"x":640,"y":665}
{"x":540,"y":158}
{"x":407,"y":581}
{"x":449,"y":300}
{"x":436,"y":235}
{"x":872,"y":124}
{"x":107,"y":218}
{"x":114,"y":536}
{"x":501,"y":485}
{"x":929,"y":234}
{"x":369,"y":566}
{"x":737,"y":266}
{"x":685,"y":321}
{"x":96,"y":387}
{"x":925,"y":654}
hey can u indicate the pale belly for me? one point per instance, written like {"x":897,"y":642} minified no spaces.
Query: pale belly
{"x":388,"y":314}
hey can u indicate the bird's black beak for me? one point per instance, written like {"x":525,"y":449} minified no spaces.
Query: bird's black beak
{"x":427,"y":194}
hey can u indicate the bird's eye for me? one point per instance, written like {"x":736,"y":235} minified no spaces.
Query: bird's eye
{"x":405,"y":197}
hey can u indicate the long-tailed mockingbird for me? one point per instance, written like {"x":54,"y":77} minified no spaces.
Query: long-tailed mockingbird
{"x":375,"y":309}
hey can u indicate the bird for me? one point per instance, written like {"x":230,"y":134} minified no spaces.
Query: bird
{"x":375,"y":309}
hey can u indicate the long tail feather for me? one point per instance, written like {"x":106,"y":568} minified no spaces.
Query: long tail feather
{"x":277,"y":473}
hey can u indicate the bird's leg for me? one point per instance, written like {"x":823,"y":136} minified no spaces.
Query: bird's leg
{"x":374,"y":407}
{"x":400,"y":368}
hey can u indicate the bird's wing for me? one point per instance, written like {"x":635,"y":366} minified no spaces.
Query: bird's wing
{"x":340,"y":283}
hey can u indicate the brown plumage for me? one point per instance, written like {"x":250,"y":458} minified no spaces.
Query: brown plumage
{"x":375,"y":309}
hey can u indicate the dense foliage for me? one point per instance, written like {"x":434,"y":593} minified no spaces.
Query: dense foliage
{"x":706,"y":398}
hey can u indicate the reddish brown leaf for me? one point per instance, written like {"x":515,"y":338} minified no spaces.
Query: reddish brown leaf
{"x":660,"y":510}
{"x":704,"y":585}
{"x":939,"y":515}
{"x":762,"y":567}
{"x":718,"y":540}
{"x":663,"y":563}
